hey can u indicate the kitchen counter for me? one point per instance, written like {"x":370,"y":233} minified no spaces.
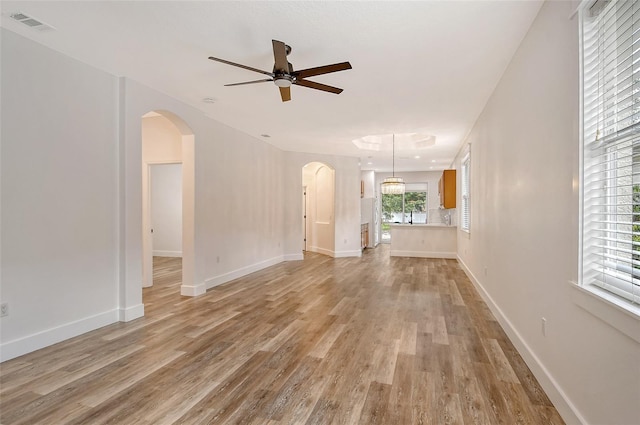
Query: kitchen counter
{"x":423,"y":240}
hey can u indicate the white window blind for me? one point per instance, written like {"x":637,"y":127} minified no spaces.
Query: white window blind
{"x":465,"y":218}
{"x":611,"y":147}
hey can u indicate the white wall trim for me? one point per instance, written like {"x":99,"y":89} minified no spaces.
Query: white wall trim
{"x":423,"y":254}
{"x":606,"y":307}
{"x":321,"y":251}
{"x":193,"y":290}
{"x":157,"y":253}
{"x":353,"y":253}
{"x":130,"y":313}
{"x":293,"y":257}
{"x":558,"y":397}
{"x":42,"y":339}
{"x":243,"y":271}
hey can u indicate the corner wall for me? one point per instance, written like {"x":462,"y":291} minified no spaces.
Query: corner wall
{"x":522,"y":251}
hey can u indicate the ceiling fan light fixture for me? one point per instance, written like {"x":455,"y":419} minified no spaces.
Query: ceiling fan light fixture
{"x":282,"y":81}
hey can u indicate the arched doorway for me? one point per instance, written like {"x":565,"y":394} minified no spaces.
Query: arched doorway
{"x":318,"y":181}
{"x":167,"y":140}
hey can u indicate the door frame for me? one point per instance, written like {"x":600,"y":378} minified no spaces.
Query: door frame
{"x":147,"y":254}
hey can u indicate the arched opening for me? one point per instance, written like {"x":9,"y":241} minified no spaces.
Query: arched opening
{"x":167,"y":184}
{"x":318,"y":181}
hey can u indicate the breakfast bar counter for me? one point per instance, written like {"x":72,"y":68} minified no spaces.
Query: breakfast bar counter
{"x":423,"y":240}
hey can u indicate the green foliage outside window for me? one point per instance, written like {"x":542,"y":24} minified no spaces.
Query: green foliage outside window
{"x":391,"y":204}
{"x":413,"y":201}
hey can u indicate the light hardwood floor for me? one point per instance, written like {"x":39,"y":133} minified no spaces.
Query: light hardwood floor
{"x":371,"y":340}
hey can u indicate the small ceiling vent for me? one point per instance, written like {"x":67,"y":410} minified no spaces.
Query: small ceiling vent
{"x":31,"y":22}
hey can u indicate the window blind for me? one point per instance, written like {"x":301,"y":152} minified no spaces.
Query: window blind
{"x":465,"y":219}
{"x":611,"y":147}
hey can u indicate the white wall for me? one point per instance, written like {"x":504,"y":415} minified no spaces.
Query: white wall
{"x":347,"y":203}
{"x":166,"y":209}
{"x":524,"y":229}
{"x":60,"y":266}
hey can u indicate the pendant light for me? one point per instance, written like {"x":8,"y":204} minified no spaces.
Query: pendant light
{"x":393,"y":185}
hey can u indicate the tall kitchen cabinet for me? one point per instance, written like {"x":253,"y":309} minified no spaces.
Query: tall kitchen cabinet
{"x":447,"y":189}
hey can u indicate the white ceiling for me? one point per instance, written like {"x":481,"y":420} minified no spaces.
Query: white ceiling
{"x":418,"y":67}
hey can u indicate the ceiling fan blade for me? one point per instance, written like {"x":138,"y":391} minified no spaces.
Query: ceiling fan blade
{"x":318,"y":86}
{"x":241,"y":66}
{"x":285,"y":93}
{"x":327,"y":69}
{"x":280,"y":56}
{"x":248,"y":82}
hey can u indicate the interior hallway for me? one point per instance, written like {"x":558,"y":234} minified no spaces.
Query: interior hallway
{"x":352,"y":340}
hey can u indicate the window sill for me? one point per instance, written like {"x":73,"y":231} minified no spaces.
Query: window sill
{"x":466,"y":233}
{"x":608,"y":308}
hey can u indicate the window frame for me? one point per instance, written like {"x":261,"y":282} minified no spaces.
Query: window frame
{"x":465,"y":192}
{"x":615,"y":307}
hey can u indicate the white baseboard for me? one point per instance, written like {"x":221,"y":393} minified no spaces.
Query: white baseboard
{"x":192,"y":290}
{"x":157,"y":253}
{"x":423,"y":254}
{"x":130,"y":313}
{"x":342,"y":254}
{"x":322,"y":251}
{"x":36,"y":341}
{"x":243,"y":271}
{"x":558,"y":397}
{"x":335,"y":254}
{"x":293,"y":257}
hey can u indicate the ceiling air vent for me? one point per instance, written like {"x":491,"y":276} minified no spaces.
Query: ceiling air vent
{"x":31,"y":22}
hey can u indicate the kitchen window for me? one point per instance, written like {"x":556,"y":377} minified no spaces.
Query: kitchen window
{"x":407,"y":208}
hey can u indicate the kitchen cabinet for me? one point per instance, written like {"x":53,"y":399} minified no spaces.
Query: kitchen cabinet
{"x":447,"y":189}
{"x":364,"y":235}
{"x":369,"y":216}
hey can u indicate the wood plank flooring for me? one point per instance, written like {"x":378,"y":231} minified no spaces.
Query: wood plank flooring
{"x":371,"y":340}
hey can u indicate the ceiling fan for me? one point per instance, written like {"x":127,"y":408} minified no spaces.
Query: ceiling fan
{"x":284,"y":76}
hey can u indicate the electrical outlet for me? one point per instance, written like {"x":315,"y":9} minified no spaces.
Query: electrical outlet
{"x":544,"y":327}
{"x":218,"y":259}
{"x":4,"y":309}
